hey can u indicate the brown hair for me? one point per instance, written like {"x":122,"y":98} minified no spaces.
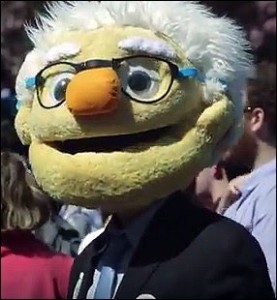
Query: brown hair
{"x":23,"y":206}
{"x":262,"y":93}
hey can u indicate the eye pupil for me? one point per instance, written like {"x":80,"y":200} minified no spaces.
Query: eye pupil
{"x":139,"y":81}
{"x":60,"y":89}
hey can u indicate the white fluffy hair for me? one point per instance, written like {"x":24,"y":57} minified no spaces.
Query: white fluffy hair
{"x":216,"y":46}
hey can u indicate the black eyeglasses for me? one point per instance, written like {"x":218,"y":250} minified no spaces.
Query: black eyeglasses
{"x":144,"y":79}
{"x":247,"y":109}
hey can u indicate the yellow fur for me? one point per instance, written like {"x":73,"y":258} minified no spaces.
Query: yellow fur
{"x":22,"y":125}
{"x":132,"y":177}
{"x":121,"y":179}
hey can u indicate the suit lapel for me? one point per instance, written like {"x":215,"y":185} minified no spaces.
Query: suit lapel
{"x":134,"y":280}
{"x":89,"y":263}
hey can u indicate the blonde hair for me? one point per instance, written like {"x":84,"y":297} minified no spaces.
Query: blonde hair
{"x":23,"y":206}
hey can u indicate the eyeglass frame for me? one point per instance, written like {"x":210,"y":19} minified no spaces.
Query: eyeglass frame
{"x":247,"y":109}
{"x":176,"y":73}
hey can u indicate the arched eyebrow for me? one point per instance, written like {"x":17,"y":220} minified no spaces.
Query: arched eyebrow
{"x":62,"y":51}
{"x":149,"y":46}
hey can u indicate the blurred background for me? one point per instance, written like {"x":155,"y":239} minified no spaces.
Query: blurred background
{"x":257,"y":17}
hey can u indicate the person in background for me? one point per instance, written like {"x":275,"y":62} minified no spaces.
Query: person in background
{"x":58,"y":234}
{"x":251,"y":198}
{"x":68,"y":226}
{"x":84,"y":220}
{"x":211,"y":184}
{"x":29,"y":269}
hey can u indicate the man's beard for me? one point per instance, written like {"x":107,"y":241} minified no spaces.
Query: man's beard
{"x":240,"y":159}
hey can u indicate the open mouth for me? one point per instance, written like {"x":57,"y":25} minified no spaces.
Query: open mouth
{"x":111,"y":143}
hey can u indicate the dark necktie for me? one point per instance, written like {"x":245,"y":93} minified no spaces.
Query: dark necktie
{"x":108,"y":276}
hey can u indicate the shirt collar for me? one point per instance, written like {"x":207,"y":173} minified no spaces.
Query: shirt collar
{"x":136,"y":228}
{"x":255,"y":177}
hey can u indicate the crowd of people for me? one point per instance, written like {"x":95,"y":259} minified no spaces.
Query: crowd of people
{"x":41,"y":237}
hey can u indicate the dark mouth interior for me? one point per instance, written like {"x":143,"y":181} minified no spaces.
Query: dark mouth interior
{"x":109,"y":144}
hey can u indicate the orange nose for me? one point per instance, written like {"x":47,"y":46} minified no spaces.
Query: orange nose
{"x":93,"y":92}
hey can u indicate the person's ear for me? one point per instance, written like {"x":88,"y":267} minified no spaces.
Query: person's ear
{"x":257,"y":118}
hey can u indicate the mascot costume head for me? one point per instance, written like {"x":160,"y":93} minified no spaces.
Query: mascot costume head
{"x":124,"y":102}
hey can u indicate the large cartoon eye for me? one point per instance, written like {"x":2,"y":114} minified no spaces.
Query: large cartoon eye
{"x":139,"y":82}
{"x":59,"y":86}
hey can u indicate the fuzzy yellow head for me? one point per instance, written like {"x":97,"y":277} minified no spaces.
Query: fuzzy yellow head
{"x":123,"y":103}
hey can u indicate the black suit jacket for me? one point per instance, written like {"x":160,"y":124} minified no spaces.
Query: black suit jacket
{"x":186,"y":253}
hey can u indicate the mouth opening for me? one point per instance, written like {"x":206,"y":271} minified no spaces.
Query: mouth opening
{"x":109,"y":144}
